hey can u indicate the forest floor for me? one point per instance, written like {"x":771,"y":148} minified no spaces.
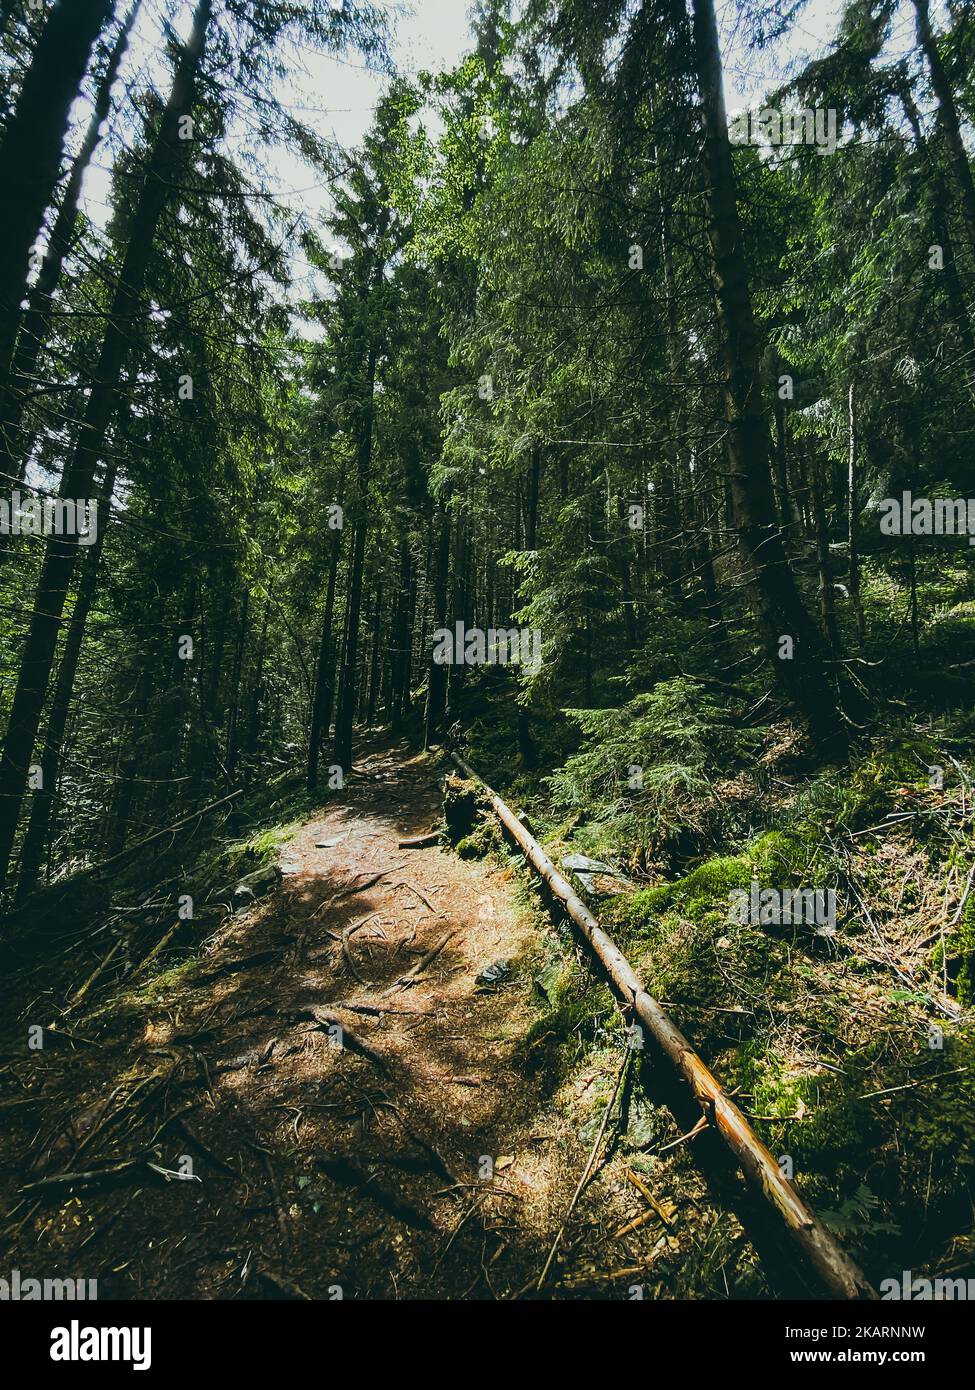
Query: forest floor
{"x":339,"y":1104}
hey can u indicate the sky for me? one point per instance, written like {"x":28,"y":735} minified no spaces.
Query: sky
{"x":337,"y":95}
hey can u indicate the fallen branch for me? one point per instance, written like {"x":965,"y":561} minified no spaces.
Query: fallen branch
{"x":349,"y":1041}
{"x":404,"y":883}
{"x":157,"y":950}
{"x":421,"y":964}
{"x":964,"y":897}
{"x":420,"y":841}
{"x":151,"y":839}
{"x":834,"y":1267}
{"x":92,"y":1175}
{"x":96,"y":974}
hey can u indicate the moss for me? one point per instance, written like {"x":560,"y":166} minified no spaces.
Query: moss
{"x":703,"y":890}
{"x":572,"y":1004}
{"x":463,"y":806}
{"x":483,"y":841}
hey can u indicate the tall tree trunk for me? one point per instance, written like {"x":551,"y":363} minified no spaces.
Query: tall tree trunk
{"x":125,"y":793}
{"x":436,"y":673}
{"x":947,"y":118}
{"x":827,"y":606}
{"x":531,"y":511}
{"x":76,"y":481}
{"x":233,"y":724}
{"x":853,"y":512}
{"x":374,"y":667}
{"x":254,"y":710}
{"x":34,"y":329}
{"x":33,"y":146}
{"x":346,"y":717}
{"x":402,"y":635}
{"x":168,"y":737}
{"x":788,"y":513}
{"x":44,"y":799}
{"x":781,"y":612}
{"x":321,"y":714}
{"x":457,"y":610}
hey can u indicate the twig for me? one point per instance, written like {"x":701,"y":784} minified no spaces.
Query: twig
{"x":909,"y":1085}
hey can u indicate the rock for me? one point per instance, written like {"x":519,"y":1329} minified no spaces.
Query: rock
{"x":494,"y":976}
{"x":599,"y":879}
{"x":251,"y":887}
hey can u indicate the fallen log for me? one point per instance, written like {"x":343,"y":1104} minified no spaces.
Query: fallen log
{"x":834,"y":1267}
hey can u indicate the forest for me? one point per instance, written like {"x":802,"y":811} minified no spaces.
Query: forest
{"x":486,"y":690}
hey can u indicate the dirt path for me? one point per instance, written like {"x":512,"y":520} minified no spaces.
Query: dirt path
{"x":341,"y":1105}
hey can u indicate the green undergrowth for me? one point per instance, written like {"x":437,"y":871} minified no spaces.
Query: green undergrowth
{"x":853,"y":1078}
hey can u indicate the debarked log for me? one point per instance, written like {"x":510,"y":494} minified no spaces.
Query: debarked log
{"x":836,"y":1270}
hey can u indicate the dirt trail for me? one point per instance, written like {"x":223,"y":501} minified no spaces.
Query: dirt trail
{"x":353,"y":1111}
{"x":338,"y":1104}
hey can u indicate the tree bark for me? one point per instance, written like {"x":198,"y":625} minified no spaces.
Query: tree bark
{"x":827,"y":606}
{"x":374,"y":665}
{"x":779,"y":606}
{"x":346,"y":716}
{"x":436,"y":673}
{"x":33,"y":146}
{"x":44,"y":799}
{"x":233,"y":723}
{"x":76,"y":481}
{"x":321,"y":714}
{"x":947,"y":118}
{"x":853,"y":513}
{"x":34,"y":328}
{"x":402,"y":634}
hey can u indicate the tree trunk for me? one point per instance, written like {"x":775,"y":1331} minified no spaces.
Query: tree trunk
{"x":254,"y":708}
{"x":346,"y":717}
{"x":436,"y":673}
{"x":124,"y":796}
{"x":853,"y":511}
{"x":321,"y":714}
{"x":834,"y":1267}
{"x":402,"y":635}
{"x":531,"y":513}
{"x":233,"y":724}
{"x":33,"y":146}
{"x":947,"y":118}
{"x":43,"y":802}
{"x":779,"y":606}
{"x":76,"y":481}
{"x":827,"y":606}
{"x":34,"y":329}
{"x":374,"y":666}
